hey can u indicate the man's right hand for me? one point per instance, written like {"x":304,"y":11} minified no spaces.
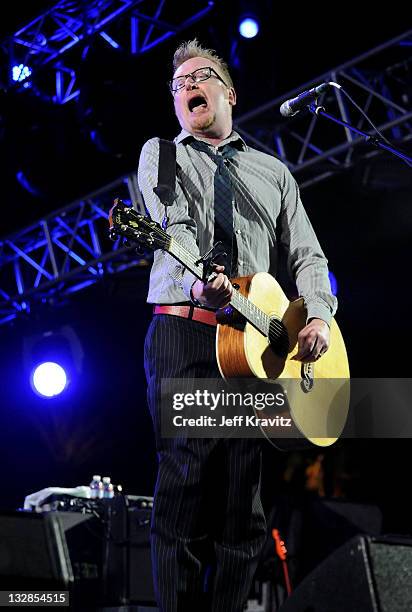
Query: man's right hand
{"x":216,"y":293}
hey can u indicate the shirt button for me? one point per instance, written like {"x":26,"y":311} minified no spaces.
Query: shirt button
{"x":238,"y":232}
{"x":240,"y":262}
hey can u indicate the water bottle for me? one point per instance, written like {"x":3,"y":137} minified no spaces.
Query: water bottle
{"x":96,"y":487}
{"x":108,"y":491}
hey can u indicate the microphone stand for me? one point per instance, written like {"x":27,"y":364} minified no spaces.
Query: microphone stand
{"x":374,"y":140}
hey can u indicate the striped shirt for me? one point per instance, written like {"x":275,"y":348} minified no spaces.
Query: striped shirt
{"x":267,"y":209}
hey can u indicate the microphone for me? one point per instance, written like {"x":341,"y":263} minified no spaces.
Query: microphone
{"x":294,"y":105}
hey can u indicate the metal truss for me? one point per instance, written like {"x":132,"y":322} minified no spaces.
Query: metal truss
{"x":65,"y":252}
{"x":53,"y":43}
{"x":380,"y":81}
{"x":69,"y":250}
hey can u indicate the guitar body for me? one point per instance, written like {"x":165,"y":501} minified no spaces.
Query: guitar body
{"x":320,"y":411}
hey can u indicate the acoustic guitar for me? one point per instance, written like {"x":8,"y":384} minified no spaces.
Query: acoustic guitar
{"x":257,"y":336}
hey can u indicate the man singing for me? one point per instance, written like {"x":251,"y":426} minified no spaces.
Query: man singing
{"x":208,"y":525}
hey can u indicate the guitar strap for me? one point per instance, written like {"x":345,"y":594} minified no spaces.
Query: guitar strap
{"x":166,"y":176}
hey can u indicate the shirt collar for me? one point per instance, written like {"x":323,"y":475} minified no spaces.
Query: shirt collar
{"x":234,"y":139}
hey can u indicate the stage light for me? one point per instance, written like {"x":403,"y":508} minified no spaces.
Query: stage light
{"x":333,"y":283}
{"x":20,"y":72}
{"x":49,"y":379}
{"x":52,"y":360}
{"x":248,"y":27}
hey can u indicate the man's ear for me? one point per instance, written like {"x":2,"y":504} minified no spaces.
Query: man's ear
{"x":232,"y":96}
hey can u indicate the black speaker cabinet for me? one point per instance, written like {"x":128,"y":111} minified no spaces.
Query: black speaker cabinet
{"x":364,"y":575}
{"x":100,"y":557}
{"x":327,"y":524}
{"x":33,"y":552}
{"x":52,"y":551}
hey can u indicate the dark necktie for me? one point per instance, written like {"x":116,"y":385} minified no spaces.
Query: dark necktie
{"x":223,"y":202}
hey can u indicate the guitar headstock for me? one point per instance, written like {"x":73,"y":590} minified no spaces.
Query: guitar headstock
{"x":125,"y":221}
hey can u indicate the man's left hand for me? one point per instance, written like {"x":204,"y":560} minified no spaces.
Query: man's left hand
{"x":313,"y":341}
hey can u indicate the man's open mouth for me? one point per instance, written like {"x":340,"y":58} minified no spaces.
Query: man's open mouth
{"x":197,"y":104}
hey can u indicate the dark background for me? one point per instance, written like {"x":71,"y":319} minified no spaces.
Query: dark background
{"x":101,"y":424}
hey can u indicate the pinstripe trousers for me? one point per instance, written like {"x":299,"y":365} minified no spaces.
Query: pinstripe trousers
{"x":208,"y":526}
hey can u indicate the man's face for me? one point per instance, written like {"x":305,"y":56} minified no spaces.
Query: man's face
{"x":204,"y":108}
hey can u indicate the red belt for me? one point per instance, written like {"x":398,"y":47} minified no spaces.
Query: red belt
{"x":188,"y":312}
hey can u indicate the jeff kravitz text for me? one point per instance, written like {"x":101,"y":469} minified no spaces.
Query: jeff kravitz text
{"x":236,"y":421}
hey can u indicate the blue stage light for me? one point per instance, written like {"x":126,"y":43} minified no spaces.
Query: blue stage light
{"x":20,"y":72}
{"x":49,"y":379}
{"x":53,"y":359}
{"x":249,"y":27}
{"x":333,"y":283}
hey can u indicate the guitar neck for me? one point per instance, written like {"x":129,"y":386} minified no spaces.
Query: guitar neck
{"x":125,"y":220}
{"x":245,"y":307}
{"x":180,"y":253}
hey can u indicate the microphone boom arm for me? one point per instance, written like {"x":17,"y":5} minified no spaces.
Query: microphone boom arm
{"x":374,"y":140}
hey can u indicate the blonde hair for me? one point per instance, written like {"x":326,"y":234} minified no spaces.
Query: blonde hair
{"x":192,"y":48}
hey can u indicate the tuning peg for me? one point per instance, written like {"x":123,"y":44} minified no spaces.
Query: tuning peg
{"x":113,"y":234}
{"x":137,"y":249}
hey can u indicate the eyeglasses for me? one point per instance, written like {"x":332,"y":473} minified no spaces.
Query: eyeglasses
{"x":201,"y":74}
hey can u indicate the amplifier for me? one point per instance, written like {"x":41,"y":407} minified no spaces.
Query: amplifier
{"x":52,"y":551}
{"x":99,"y":550}
{"x":128,"y":567}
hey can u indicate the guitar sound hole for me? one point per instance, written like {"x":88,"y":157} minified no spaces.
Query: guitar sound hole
{"x":279,"y":337}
